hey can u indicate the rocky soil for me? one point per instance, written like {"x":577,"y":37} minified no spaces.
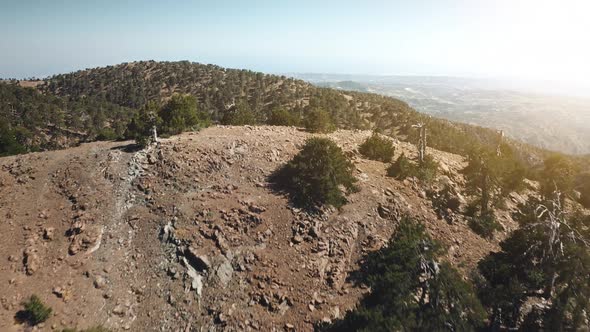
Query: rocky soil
{"x":188,"y":235}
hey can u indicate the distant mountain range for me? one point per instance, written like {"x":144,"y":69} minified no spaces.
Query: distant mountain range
{"x":554,"y":122}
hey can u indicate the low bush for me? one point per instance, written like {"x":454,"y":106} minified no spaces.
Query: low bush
{"x":426,"y":170}
{"x":241,"y":114}
{"x":485,"y":225}
{"x":316,"y":174}
{"x":107,"y":134}
{"x":282,"y":117}
{"x":35,"y":311}
{"x":403,"y":168}
{"x":377,"y":148}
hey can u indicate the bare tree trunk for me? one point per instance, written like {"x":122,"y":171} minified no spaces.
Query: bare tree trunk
{"x":154,"y":134}
{"x":421,"y":141}
{"x":500,"y":140}
{"x":485,"y":196}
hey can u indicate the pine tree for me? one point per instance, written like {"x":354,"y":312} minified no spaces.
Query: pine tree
{"x":491,"y":177}
{"x":411,"y":290}
{"x":314,"y":176}
{"x":547,"y":258}
{"x":319,"y":121}
{"x":141,"y":127}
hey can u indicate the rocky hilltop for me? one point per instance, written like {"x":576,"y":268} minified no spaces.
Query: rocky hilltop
{"x":189,"y":234}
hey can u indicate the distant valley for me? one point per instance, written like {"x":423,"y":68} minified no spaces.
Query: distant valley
{"x":553,"y":122}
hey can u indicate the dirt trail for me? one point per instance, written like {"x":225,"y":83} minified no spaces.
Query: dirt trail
{"x":189,"y":236}
{"x":45,"y":200}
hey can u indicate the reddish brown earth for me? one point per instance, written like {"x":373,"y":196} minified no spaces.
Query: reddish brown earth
{"x":128,"y":239}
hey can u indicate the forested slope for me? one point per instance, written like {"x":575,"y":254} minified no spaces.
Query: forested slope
{"x":220,"y":90}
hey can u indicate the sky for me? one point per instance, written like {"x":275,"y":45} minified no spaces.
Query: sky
{"x":538,"y":40}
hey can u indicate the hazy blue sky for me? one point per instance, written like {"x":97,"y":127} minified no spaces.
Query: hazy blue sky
{"x":495,"y":38}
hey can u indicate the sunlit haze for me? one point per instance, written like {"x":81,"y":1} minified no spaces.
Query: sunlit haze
{"x":537,"y":41}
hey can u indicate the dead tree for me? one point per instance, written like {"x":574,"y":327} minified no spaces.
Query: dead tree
{"x":500,"y":141}
{"x":422,"y":141}
{"x":552,"y":218}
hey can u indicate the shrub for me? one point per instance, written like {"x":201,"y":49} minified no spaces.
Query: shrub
{"x":181,"y":113}
{"x":8,"y":141}
{"x":107,"y":134}
{"x":282,"y":117}
{"x":485,"y":225}
{"x":403,"y":168}
{"x":377,"y":148}
{"x":319,"y":121}
{"x":239,"y":115}
{"x":427,"y":169}
{"x":315,"y":175}
{"x":35,"y":311}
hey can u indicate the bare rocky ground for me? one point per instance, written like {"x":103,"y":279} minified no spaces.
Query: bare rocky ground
{"x":189,"y":235}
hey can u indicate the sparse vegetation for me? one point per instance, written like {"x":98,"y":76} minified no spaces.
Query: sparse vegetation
{"x":377,"y":148}
{"x":90,"y":329}
{"x":316,"y":174}
{"x":445,"y":201}
{"x":485,"y":225}
{"x":35,"y":311}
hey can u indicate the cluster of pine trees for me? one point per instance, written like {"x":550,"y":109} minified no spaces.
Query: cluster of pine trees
{"x":234,"y":96}
{"x":538,"y":280}
{"x":32,"y":121}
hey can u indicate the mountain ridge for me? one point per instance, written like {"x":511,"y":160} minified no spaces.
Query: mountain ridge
{"x":217,"y":89}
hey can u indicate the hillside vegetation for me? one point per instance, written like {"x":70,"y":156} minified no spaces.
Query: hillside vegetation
{"x":31,"y":121}
{"x":220,"y":91}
